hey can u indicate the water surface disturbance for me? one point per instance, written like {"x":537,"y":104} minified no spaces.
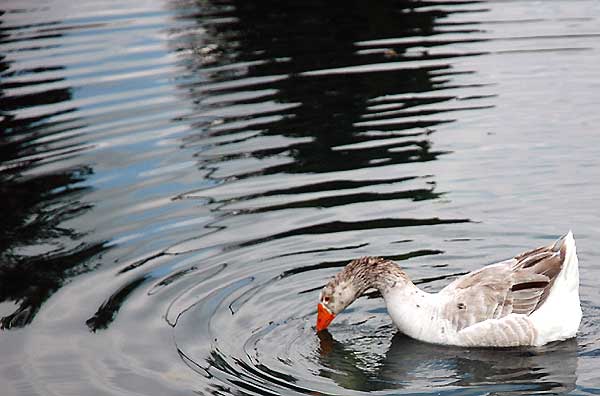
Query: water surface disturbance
{"x":178,"y":179}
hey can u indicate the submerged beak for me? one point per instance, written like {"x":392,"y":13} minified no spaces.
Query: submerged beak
{"x":324,"y":317}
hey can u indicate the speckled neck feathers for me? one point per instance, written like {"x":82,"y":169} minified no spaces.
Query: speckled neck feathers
{"x":372,"y":272}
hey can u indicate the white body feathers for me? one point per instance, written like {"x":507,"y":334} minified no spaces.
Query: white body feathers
{"x":475,"y":312}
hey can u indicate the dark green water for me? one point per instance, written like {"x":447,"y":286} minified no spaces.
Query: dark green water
{"x":178,"y":179}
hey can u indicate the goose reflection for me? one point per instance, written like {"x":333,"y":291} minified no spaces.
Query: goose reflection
{"x":411,"y":364}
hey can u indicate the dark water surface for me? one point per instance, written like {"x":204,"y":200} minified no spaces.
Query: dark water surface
{"x":178,"y":178}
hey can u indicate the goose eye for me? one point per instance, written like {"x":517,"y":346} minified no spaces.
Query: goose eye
{"x":326,"y":299}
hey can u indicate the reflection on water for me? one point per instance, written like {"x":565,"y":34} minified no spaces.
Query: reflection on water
{"x":410,"y":364}
{"x":179,"y":178}
{"x":331,"y":122}
{"x":37,"y":253}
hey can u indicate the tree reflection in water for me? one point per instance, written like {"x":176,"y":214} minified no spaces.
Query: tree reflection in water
{"x":37,"y":252}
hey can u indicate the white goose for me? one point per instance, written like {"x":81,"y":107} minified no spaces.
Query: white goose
{"x":531,"y":299}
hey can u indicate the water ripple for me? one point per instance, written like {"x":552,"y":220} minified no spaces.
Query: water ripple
{"x":180,"y":178}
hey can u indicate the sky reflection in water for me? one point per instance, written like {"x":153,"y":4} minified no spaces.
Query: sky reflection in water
{"x":179,"y":178}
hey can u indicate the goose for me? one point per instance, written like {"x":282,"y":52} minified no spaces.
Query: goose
{"x":529,"y":300}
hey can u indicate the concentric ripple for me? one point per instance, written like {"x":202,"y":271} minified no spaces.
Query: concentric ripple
{"x":259,"y":337}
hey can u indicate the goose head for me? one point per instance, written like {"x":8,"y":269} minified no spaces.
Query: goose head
{"x":352,"y":282}
{"x":334,"y":298}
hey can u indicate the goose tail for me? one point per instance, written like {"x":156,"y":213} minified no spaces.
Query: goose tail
{"x":568,"y":254}
{"x":560,"y":316}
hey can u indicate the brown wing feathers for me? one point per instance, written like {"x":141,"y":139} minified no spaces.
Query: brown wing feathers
{"x":534,"y":275}
{"x":521,"y":286}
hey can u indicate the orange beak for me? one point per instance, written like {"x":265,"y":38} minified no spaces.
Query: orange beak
{"x":324,"y":317}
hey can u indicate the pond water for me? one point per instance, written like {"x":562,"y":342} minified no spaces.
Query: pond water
{"x":178,"y":179}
